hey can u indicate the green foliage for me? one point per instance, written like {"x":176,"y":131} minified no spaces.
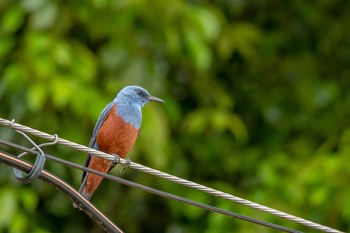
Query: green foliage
{"x":257,"y":105}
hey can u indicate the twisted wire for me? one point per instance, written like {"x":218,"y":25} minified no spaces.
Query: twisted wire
{"x":169,"y":177}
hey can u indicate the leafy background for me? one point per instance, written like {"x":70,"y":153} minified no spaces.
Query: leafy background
{"x":257,"y":105}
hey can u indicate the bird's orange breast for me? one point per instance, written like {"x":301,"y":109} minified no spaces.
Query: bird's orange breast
{"x":115,"y":135}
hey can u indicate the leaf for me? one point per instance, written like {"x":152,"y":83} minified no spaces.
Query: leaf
{"x":207,"y":22}
{"x":36,"y":96}
{"x":8,"y":205}
{"x":29,"y":199}
{"x":62,"y":90}
{"x":199,"y":51}
{"x":6,"y":45}
{"x":12,"y":19}
{"x":15,"y":76}
{"x":45,"y":17}
{"x":239,"y":37}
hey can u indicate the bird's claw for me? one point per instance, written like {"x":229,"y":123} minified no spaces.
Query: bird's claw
{"x":125,"y":165}
{"x":116,"y":160}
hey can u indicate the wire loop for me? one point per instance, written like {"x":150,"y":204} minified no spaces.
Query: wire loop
{"x":39,"y":161}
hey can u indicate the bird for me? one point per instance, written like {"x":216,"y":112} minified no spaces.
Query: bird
{"x":115,"y":132}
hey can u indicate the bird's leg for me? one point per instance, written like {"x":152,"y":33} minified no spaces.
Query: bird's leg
{"x":125,"y":165}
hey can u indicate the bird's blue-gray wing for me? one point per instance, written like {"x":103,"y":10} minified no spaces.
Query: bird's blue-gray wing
{"x":98,"y":125}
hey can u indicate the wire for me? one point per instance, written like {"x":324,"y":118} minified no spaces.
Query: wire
{"x":62,"y":186}
{"x":38,"y":165}
{"x":169,"y":177}
{"x":152,"y":190}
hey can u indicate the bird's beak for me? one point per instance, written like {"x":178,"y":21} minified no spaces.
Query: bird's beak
{"x":155,"y":99}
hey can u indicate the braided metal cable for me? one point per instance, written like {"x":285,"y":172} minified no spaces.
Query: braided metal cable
{"x":169,"y":177}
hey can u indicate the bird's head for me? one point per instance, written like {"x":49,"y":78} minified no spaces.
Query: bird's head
{"x":135,"y":95}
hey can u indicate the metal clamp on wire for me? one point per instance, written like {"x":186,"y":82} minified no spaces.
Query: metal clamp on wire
{"x":34,"y":172}
{"x":39,"y":161}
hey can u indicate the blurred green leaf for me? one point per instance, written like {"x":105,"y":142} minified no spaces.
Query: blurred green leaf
{"x":14,"y":76}
{"x":6,"y":45}
{"x":61,"y":90}
{"x":33,"y":5}
{"x":198,"y":50}
{"x":215,"y":120}
{"x":239,"y":37}
{"x":12,"y":19}
{"x":207,"y":22}
{"x":36,"y":96}
{"x":20,"y":223}
{"x":29,"y":199}
{"x":45,"y":17}
{"x":8,"y":205}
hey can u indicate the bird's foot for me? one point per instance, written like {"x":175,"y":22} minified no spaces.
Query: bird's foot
{"x":125,"y":165}
{"x":116,"y":160}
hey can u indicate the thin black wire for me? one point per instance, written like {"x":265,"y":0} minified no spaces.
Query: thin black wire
{"x":62,"y":186}
{"x":155,"y":191}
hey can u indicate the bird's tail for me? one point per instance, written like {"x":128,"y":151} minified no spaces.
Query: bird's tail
{"x":92,"y":181}
{"x":83,"y":192}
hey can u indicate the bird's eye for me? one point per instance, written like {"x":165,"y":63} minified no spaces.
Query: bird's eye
{"x":139,"y":92}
